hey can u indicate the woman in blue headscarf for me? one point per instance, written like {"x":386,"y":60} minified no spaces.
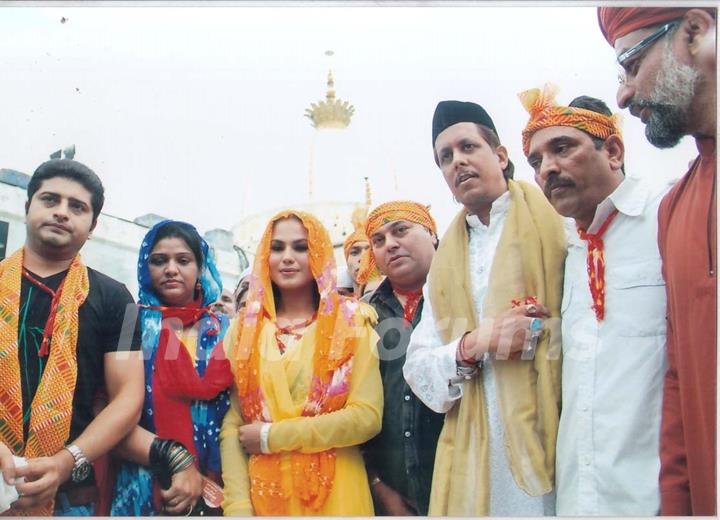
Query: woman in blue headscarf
{"x":172,"y":459}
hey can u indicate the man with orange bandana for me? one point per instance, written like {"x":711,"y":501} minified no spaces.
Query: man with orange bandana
{"x":400,"y":459}
{"x":669,"y":81}
{"x":613,"y":312}
{"x":487,"y":348}
{"x":354,"y":246}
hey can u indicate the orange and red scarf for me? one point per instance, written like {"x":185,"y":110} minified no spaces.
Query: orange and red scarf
{"x":412,"y":302}
{"x":596,"y":265}
{"x":336,"y":342}
{"x":52,"y":404}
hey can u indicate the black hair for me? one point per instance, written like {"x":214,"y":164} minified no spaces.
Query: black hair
{"x":75,"y":171}
{"x":277,"y":296}
{"x":185,"y":232}
{"x":594,"y":105}
{"x":494,"y":141}
{"x":241,"y":290}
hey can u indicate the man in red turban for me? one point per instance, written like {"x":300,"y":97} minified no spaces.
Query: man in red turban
{"x":668,"y":80}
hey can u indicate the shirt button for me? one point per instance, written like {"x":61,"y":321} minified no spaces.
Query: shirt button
{"x":407,"y":397}
{"x":585,"y":408}
{"x":586,"y":461}
{"x":407,"y":434}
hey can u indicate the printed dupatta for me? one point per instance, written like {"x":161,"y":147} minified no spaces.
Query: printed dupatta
{"x":172,"y":381}
{"x":337,"y":339}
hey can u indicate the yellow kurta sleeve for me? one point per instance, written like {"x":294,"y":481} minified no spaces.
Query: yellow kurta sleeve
{"x":234,"y":459}
{"x":359,"y":420}
{"x":234,"y":464}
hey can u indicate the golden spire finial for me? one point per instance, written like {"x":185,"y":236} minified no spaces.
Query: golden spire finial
{"x":330,"y":112}
{"x":368,"y":197}
{"x":330,"y":96}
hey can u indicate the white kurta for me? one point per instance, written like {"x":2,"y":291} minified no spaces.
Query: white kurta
{"x":429,"y":365}
{"x":612,"y":375}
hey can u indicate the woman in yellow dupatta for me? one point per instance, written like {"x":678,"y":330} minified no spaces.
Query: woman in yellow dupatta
{"x":307,"y":384}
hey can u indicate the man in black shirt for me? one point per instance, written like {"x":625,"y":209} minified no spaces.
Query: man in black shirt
{"x":400,"y":459}
{"x":68,"y":333}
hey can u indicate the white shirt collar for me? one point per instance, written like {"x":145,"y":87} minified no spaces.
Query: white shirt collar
{"x":498,"y":208}
{"x":629,"y":198}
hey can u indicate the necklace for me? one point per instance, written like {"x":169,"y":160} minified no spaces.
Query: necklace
{"x":294,"y":329}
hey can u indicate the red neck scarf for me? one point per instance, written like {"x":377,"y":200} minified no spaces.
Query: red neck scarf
{"x":412,"y":300}
{"x":596,"y":265}
{"x":176,"y":382}
{"x":189,"y":315}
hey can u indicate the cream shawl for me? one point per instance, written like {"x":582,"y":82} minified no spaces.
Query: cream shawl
{"x":529,"y":261}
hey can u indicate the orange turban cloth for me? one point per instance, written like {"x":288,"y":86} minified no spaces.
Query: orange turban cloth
{"x":390,"y":212}
{"x":616,"y":22}
{"x":358,"y":220}
{"x":545,"y":112}
{"x":356,"y":236}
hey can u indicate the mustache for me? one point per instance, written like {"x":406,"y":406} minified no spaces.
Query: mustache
{"x":642,"y":103}
{"x":55,"y":223}
{"x":637,"y":104}
{"x":556,"y":181}
{"x":463,"y":175}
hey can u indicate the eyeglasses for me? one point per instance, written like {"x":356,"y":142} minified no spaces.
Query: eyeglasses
{"x":640,"y":47}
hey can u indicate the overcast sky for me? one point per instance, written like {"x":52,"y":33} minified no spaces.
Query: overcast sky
{"x":197,"y":113}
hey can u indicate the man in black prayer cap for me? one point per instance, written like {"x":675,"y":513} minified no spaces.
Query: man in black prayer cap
{"x":486,"y":350}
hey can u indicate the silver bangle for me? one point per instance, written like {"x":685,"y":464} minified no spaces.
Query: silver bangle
{"x":465,"y":373}
{"x":265,"y":437}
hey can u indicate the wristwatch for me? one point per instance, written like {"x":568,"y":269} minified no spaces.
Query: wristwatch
{"x":81,"y":468}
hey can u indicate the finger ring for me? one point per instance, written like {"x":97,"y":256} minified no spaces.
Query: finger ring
{"x":536,"y":326}
{"x":190,"y":510}
{"x":531,"y":344}
{"x":531,"y":309}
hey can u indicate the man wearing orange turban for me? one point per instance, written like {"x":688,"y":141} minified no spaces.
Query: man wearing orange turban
{"x":400,"y":459}
{"x":613,"y":311}
{"x":354,"y":246}
{"x":668,"y":80}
